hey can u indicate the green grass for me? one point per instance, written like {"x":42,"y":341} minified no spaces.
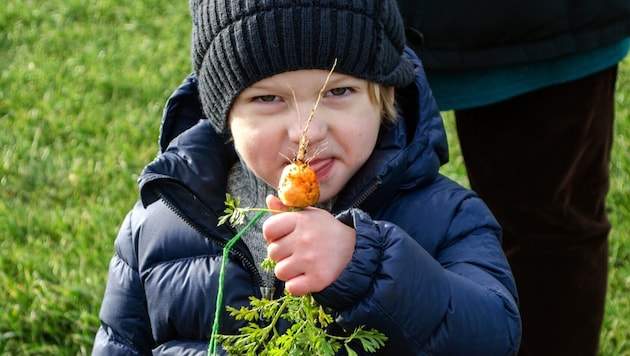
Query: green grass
{"x":82,"y":86}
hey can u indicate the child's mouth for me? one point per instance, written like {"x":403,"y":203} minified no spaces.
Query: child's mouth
{"x":322,"y":167}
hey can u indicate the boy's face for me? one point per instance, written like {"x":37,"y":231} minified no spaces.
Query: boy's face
{"x":266,"y":126}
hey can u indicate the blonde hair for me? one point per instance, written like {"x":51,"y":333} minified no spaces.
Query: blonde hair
{"x":380,"y":95}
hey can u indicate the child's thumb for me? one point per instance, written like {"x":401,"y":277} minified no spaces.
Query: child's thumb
{"x":275,"y":204}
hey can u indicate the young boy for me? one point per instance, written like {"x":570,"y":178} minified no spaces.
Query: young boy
{"x":391,"y":244}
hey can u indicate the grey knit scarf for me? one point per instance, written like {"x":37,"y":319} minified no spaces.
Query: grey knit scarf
{"x":242,"y":183}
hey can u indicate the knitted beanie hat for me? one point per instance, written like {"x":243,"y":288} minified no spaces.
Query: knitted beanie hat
{"x":236,"y":43}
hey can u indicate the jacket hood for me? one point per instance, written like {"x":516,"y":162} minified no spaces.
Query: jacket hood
{"x":408,"y":153}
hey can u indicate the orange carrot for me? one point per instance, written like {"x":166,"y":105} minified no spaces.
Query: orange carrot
{"x":299,"y":186}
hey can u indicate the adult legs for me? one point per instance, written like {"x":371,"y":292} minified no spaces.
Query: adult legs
{"x":540,"y":161}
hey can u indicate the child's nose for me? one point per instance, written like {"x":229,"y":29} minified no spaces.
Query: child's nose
{"x":315,"y":128}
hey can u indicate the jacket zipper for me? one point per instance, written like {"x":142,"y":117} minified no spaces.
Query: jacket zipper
{"x":246,"y":262}
{"x":366,"y":194}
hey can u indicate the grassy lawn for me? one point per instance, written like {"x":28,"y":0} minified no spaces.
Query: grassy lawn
{"x":82,"y":86}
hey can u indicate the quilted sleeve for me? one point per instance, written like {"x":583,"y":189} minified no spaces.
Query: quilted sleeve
{"x":125,"y":328}
{"x":459,"y":299}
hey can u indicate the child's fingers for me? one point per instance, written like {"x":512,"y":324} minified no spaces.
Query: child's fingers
{"x":299,"y":286}
{"x":298,"y":280}
{"x":278,"y":251}
{"x":278,"y":226}
{"x":275,"y":204}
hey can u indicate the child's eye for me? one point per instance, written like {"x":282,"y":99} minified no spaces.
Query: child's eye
{"x":266,"y":98}
{"x":339,"y":91}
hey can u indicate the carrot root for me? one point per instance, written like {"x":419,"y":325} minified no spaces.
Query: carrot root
{"x":298,"y":186}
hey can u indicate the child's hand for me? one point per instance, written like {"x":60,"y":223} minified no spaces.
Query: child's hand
{"x":310,"y":246}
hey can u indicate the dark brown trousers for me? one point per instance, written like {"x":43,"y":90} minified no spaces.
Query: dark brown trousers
{"x":541,"y":161}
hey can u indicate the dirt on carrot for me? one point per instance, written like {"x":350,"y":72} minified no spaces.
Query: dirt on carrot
{"x":299,"y":186}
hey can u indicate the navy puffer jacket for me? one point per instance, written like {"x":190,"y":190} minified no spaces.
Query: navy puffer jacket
{"x":428,"y":269}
